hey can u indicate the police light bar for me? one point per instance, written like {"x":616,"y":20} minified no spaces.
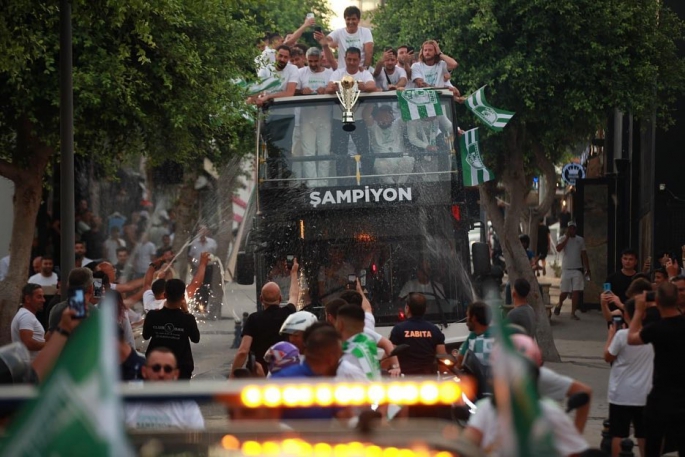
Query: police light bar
{"x":301,"y":448}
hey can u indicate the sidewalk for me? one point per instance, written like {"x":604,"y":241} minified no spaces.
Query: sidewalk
{"x":581,"y":347}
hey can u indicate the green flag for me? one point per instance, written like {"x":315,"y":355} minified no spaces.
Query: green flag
{"x":78,"y":411}
{"x":260,"y":86}
{"x":473,"y":170}
{"x":418,"y":104}
{"x":494,"y":118}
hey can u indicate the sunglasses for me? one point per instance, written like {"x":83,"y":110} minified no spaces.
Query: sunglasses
{"x":167,"y":368}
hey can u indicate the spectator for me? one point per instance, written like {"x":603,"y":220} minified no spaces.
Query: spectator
{"x":36,"y":265}
{"x":173,"y":327}
{"x":387,"y":74}
{"x":161,"y":366}
{"x":78,"y":278}
{"x":130,"y":362}
{"x":294,"y":327}
{"x":358,"y":348}
{"x":574,"y":265}
{"x":46,"y":277}
{"x":523,"y":314}
{"x":142,"y":255}
{"x":122,"y":267}
{"x":80,"y":254}
{"x":261,"y":330}
{"x":95,"y":238}
{"x":352,"y":36}
{"x":25,"y":327}
{"x":630,"y":381}
{"x":165,"y":246}
{"x":679,"y":282}
{"x":423,"y":284}
{"x":153,"y":298}
{"x":282,"y":355}
{"x":665,"y":408}
{"x":480,"y":339}
{"x":113,"y":244}
{"x":122,"y":318}
{"x":620,"y":280}
{"x":660,"y":276}
{"x":425,"y":339}
{"x":238,"y":331}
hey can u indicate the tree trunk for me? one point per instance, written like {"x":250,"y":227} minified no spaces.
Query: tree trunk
{"x":507,"y":228}
{"x":28,"y":191}
{"x":186,"y":220}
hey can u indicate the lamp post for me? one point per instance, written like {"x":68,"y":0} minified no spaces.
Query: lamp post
{"x":66,"y":107}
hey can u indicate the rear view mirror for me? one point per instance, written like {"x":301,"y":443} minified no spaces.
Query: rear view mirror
{"x":244,"y":269}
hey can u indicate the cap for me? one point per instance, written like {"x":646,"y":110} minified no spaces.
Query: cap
{"x":572,"y":224}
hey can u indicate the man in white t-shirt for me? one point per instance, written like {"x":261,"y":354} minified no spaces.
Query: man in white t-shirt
{"x":268,"y":56}
{"x":405,"y":59}
{"x":387,"y":74}
{"x":432,"y":67}
{"x":428,"y":135}
{"x":46,"y":278}
{"x":315,"y":121}
{"x":25,"y":326}
{"x":352,"y":36}
{"x":630,"y":381}
{"x":161,"y":366}
{"x":360,"y":135}
{"x":574,"y":264}
{"x":386,"y":135}
{"x":282,"y":70}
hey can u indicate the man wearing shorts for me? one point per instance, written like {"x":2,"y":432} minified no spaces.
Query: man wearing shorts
{"x":575,"y":267}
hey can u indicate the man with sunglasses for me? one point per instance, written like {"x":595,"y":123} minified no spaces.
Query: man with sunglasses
{"x":161,"y":366}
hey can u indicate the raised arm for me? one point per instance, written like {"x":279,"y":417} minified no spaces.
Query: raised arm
{"x":294,"y":294}
{"x":368,"y":54}
{"x":293,"y":37}
{"x":634,"y":337}
{"x":199,"y":277}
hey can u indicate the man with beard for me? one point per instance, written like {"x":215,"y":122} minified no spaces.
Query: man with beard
{"x":386,"y":135}
{"x":480,"y":340}
{"x":387,"y":74}
{"x":80,"y":253}
{"x":432,"y":66}
{"x":339,"y":137}
{"x":315,"y":121}
{"x":405,"y":59}
{"x":282,"y":70}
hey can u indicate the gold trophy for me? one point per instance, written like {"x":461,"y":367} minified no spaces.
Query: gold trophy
{"x":348,"y":93}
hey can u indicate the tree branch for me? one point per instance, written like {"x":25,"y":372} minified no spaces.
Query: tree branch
{"x":10,"y":171}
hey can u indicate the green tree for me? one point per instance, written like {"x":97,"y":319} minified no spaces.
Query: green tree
{"x":150,"y":77}
{"x":561,"y":66}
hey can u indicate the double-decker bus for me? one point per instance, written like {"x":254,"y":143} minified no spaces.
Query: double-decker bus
{"x":384,"y":203}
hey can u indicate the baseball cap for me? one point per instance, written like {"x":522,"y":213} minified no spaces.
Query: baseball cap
{"x":571,"y":224}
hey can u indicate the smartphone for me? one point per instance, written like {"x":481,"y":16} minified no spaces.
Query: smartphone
{"x":607,"y":287}
{"x":310,"y":15}
{"x":317,"y":29}
{"x":618,"y":321}
{"x":77,"y":301}
{"x":250,"y":364}
{"x":362,"y":278}
{"x":651,"y":296}
{"x":289,"y":261}
{"x":352,"y":280}
{"x":410,"y":49}
{"x":97,"y":287}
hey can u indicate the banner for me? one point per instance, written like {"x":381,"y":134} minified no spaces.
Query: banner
{"x":473,"y":169}
{"x":495,"y":119}
{"x":418,"y":104}
{"x":263,"y":85}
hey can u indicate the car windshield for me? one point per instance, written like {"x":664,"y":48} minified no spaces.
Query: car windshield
{"x":304,"y":144}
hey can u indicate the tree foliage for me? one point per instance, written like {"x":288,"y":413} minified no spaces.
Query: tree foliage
{"x":561,"y":66}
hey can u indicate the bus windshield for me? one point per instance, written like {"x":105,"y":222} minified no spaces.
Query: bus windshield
{"x":304,"y":144}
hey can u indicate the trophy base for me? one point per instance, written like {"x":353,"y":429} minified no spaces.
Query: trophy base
{"x":349,"y":126}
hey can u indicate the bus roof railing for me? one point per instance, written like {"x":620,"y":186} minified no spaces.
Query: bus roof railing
{"x":362,"y":96}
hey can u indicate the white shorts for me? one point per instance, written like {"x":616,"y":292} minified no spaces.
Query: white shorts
{"x":572,"y":280}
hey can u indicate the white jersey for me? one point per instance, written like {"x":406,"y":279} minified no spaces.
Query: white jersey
{"x":630,"y":379}
{"x":311,"y":80}
{"x":26,"y":320}
{"x":394,"y":77}
{"x":184,"y":415}
{"x":44,"y":281}
{"x":433,"y":75}
{"x":288,"y":75}
{"x":345,"y":40}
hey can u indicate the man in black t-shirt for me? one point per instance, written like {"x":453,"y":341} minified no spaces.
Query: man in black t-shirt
{"x":665,"y":409}
{"x":425,"y":339}
{"x":173,"y":327}
{"x":620,"y":280}
{"x":262,"y":329}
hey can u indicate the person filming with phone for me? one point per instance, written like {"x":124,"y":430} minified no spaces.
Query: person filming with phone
{"x":665,"y":409}
{"x":630,"y":380}
{"x":81,"y":298}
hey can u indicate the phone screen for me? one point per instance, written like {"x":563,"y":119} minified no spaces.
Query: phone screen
{"x":618,"y":321}
{"x":607,"y":287}
{"x":97,"y":287}
{"x":352,"y":279}
{"x":317,"y":29}
{"x":77,"y":302}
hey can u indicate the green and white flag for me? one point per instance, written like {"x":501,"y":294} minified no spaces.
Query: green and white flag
{"x":78,"y":411}
{"x":495,"y":119}
{"x":473,"y":169}
{"x":260,"y":86}
{"x":418,"y":104}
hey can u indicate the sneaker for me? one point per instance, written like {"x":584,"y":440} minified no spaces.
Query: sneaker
{"x":557,"y":310}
